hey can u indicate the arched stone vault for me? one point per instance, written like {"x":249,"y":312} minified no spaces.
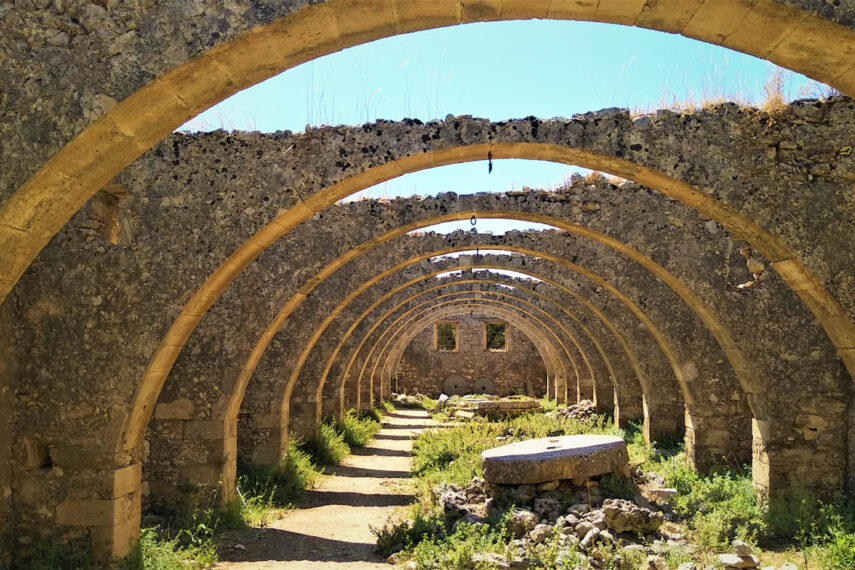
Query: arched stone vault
{"x":165,"y":72}
{"x":486,"y":307}
{"x":807,"y":286}
{"x":292,"y":332}
{"x":373,"y":264}
{"x":630,"y":376}
{"x":563,"y":369}
{"x":170,"y":346}
{"x":582,"y":385}
{"x":605,"y":374}
{"x":734,"y":220}
{"x":602,"y":368}
{"x":109,"y":141}
{"x":523,"y":265}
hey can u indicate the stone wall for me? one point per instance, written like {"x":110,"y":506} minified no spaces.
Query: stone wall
{"x":104,"y":294}
{"x":518,"y":370}
{"x":7,"y":395}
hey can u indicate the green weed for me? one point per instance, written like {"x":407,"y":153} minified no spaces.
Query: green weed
{"x":155,"y":551}
{"x":329,"y":447}
{"x":357,"y":429}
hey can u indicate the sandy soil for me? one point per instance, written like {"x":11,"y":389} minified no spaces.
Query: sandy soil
{"x":330,"y":527}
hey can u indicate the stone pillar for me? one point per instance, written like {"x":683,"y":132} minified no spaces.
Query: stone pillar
{"x":302,"y":420}
{"x":714,"y":440}
{"x":261,"y":439}
{"x":809,"y":453}
{"x":628,"y":403}
{"x":604,"y":394}
{"x":662,"y":420}
{"x":190,"y":453}
{"x":78,"y":495}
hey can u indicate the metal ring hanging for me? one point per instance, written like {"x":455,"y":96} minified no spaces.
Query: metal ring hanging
{"x":473,"y":220}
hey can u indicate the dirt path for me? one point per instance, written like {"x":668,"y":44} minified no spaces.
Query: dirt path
{"x":330,"y":527}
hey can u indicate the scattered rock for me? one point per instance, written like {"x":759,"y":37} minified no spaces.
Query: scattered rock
{"x":654,"y":562}
{"x":541,"y":533}
{"x":624,"y":516}
{"x":581,"y":411}
{"x":521,"y":522}
{"x":394,"y":558}
{"x":687,"y":566}
{"x":741,"y":548}
{"x":737,"y":561}
{"x":664,"y":494}
{"x":490,"y":560}
{"x":590,"y":538}
{"x":548,"y":486}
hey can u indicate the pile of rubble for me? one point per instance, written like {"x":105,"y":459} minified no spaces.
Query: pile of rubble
{"x":541,"y":515}
{"x":582,"y":411}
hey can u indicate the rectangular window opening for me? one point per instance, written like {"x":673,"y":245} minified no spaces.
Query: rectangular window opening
{"x":446,"y":337}
{"x":495,"y":337}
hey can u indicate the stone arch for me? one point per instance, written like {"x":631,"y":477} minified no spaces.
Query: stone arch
{"x":791,"y":270}
{"x":485,"y":307}
{"x":558,"y":389}
{"x":604,"y":380}
{"x":292,"y":35}
{"x":73,"y":175}
{"x":488,"y":263}
{"x":174,"y":341}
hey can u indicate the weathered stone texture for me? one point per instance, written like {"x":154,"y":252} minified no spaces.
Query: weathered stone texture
{"x":423,"y":369}
{"x":555,"y":458}
{"x":107,"y":284}
{"x":7,"y":394}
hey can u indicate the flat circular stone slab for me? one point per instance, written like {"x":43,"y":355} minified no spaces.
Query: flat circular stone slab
{"x":551,"y":458}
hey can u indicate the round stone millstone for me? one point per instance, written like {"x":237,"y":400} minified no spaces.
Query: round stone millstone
{"x":551,"y":458}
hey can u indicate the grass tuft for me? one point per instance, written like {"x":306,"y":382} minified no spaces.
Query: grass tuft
{"x":357,"y":429}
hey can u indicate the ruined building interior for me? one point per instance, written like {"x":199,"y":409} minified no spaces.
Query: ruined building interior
{"x":174,"y":301}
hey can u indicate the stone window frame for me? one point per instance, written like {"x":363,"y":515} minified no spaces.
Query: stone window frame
{"x":456,"y":336}
{"x":504,"y":324}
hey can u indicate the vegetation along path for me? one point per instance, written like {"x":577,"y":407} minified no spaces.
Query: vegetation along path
{"x":331,"y":526}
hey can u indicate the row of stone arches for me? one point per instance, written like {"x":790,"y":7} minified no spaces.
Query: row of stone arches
{"x":755,"y":179}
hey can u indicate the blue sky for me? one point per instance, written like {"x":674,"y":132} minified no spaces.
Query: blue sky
{"x":497,"y":70}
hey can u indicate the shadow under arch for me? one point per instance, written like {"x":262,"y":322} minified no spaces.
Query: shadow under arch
{"x":791,"y":37}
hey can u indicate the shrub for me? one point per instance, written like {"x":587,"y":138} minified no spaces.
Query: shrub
{"x":267,"y":489}
{"x":157,"y":552}
{"x":838,"y":552}
{"x":329,"y":447}
{"x":358,"y":429}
